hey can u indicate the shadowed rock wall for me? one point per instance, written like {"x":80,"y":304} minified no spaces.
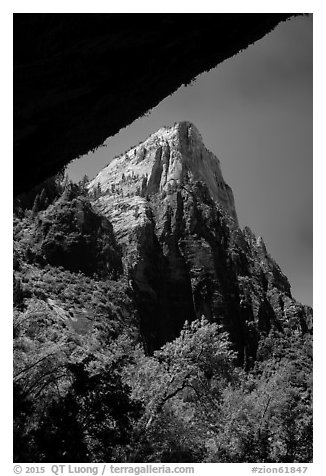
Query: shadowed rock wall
{"x":182,"y":249}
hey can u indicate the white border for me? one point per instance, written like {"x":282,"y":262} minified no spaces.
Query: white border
{"x":318,"y":9}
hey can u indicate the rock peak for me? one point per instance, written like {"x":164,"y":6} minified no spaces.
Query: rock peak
{"x":181,"y":127}
{"x":183,"y":131}
{"x":169,"y":157}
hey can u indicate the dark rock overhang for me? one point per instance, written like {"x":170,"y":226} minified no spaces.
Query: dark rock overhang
{"x":80,"y":78}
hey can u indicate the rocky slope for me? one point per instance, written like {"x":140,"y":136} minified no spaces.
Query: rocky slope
{"x":68,"y":269}
{"x":98,"y":274}
{"x":70,"y":234}
{"x":174,"y":217}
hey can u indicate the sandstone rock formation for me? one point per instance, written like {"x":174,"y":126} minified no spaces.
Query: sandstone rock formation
{"x":71,"y":235}
{"x":175,"y":220}
{"x":168,"y":159}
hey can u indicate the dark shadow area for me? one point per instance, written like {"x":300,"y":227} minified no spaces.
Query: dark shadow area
{"x":80,"y":78}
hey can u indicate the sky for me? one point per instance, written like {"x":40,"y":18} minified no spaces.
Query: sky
{"x":254,"y":112}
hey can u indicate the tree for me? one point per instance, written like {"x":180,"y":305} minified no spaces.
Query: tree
{"x":70,"y":403}
{"x":268,"y":418}
{"x":82,"y":184}
{"x":198,"y":406}
{"x":181,"y":386}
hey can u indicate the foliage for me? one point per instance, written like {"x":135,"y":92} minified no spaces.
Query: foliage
{"x":187,"y":402}
{"x":201,"y":407}
{"x":178,"y":387}
{"x":85,"y":390}
{"x":70,"y":234}
{"x":41,"y":196}
{"x":71,"y":335}
{"x":68,"y":402}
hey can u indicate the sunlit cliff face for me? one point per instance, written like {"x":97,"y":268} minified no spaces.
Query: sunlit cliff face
{"x":170,"y":157}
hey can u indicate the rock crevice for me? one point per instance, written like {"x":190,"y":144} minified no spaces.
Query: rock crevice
{"x":183,"y":250}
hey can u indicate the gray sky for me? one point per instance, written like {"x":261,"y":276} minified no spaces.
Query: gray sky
{"x":254,"y":112}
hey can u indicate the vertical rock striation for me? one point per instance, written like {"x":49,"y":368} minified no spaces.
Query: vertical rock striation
{"x":175,"y":220}
{"x":171,"y":157}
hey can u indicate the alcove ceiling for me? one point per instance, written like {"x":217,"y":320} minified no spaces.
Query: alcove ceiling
{"x":80,"y":78}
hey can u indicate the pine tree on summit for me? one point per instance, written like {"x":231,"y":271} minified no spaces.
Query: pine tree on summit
{"x":82,"y":184}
